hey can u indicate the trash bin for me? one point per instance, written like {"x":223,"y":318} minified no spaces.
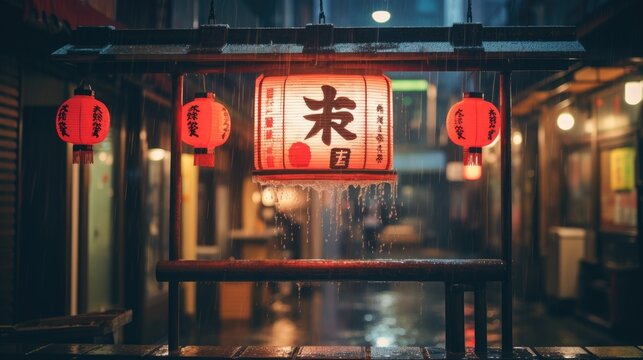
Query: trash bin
{"x":565,"y":249}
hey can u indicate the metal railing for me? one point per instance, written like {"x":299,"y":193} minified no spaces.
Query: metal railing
{"x":458,"y":275}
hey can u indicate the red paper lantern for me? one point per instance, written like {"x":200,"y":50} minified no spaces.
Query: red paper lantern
{"x":323,"y":127}
{"x":83,"y":121}
{"x":206,"y":125}
{"x":473,"y":123}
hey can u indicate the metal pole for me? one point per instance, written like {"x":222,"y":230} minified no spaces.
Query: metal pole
{"x":480,"y":313}
{"x":505,"y":210}
{"x":454,"y":318}
{"x":175,"y":210}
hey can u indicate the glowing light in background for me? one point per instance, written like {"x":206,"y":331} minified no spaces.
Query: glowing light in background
{"x":156,"y":154}
{"x":516,"y":138}
{"x":409,"y":84}
{"x":383,"y":341}
{"x":472,"y":172}
{"x":565,"y":121}
{"x":256,"y":197}
{"x":268,"y":196}
{"x":454,"y":171}
{"x":633,"y":92}
{"x":381,"y":16}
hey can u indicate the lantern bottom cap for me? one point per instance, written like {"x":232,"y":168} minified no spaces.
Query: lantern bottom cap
{"x":83,"y":154}
{"x":203,"y":160}
{"x":323,"y":180}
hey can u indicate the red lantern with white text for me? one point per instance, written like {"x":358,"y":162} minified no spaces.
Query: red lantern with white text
{"x":83,"y":121}
{"x":206,"y":125}
{"x":323,"y":127}
{"x":473,"y":123}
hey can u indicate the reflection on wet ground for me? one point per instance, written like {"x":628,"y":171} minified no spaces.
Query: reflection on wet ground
{"x":378,"y":314}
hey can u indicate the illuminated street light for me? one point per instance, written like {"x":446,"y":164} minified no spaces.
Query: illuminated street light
{"x":156,"y":154}
{"x":516,"y":138}
{"x":633,"y":92}
{"x":565,"y":121}
{"x":381,"y":16}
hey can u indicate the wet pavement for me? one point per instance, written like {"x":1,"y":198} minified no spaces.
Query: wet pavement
{"x":79,"y":351}
{"x":382,"y":314}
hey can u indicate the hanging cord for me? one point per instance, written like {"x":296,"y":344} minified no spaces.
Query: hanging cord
{"x":322,"y":16}
{"x":84,"y":85}
{"x":204,"y":88}
{"x":212,"y":19}
{"x":474,"y":76}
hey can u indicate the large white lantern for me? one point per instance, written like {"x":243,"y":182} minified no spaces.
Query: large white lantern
{"x":323,"y":127}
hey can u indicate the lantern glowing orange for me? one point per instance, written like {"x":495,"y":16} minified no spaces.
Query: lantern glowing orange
{"x":83,"y":121}
{"x":473,"y":123}
{"x":322,"y":127}
{"x":206,"y":125}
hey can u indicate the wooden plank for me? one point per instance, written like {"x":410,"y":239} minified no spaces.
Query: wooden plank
{"x":9,"y":101}
{"x":8,"y":133}
{"x":8,"y":144}
{"x":11,"y":166}
{"x":9,"y":112}
{"x":9,"y":90}
{"x":7,"y":177}
{"x":8,"y":121}
{"x":7,"y":156}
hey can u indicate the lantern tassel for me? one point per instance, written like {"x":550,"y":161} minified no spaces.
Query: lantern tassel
{"x":83,"y":154}
{"x":203,"y":158}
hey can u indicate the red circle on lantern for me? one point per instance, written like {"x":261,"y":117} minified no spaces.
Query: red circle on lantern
{"x":299,"y":154}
